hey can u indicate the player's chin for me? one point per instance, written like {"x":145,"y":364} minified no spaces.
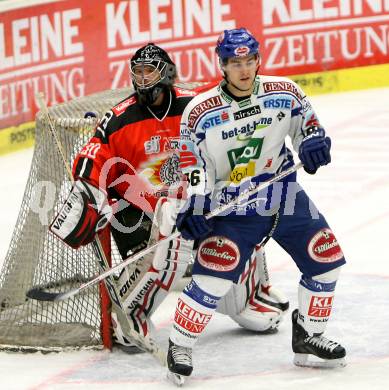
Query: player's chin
{"x":245,"y":84}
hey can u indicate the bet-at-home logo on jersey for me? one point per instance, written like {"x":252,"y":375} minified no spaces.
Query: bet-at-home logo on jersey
{"x":241,"y":159}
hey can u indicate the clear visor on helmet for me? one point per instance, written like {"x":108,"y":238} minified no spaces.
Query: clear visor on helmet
{"x":146,"y":74}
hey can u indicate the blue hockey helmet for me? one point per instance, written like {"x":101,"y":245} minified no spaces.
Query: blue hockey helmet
{"x":237,"y":42}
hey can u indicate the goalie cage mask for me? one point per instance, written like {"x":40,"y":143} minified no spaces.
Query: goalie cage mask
{"x":152,"y":72}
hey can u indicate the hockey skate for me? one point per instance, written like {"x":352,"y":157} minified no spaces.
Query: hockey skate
{"x":179,"y":360}
{"x":330,"y":354}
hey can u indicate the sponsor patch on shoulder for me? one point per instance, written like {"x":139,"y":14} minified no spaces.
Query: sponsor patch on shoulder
{"x":324,"y":248}
{"x":273,"y":86}
{"x":203,"y":106}
{"x":218,"y":254}
{"x":180,"y":92}
{"x":121,"y":107}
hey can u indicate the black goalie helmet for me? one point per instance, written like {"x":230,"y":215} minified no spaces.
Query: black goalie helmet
{"x":152,"y":72}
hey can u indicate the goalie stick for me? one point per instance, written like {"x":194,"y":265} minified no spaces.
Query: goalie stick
{"x":145,"y":343}
{"x":38,"y":294}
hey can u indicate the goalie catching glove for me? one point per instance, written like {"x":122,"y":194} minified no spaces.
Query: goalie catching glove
{"x":85,"y":212}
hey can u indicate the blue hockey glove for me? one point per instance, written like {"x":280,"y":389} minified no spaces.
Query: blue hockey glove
{"x":191,"y":221}
{"x":314,"y":150}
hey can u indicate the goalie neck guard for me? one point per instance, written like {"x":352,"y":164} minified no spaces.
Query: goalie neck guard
{"x":152,"y":72}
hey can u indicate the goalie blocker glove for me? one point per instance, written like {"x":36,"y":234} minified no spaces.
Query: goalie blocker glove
{"x":85,"y":212}
{"x":314,"y":150}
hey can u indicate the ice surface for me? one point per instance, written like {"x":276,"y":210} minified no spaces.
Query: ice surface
{"x":352,"y":193}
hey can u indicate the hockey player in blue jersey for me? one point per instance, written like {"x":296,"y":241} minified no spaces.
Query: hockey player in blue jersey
{"x":233,"y":136}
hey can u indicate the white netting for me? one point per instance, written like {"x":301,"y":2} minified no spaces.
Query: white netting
{"x":37,"y":258}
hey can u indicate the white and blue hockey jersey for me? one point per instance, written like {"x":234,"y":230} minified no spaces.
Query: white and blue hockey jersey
{"x":229,"y":144}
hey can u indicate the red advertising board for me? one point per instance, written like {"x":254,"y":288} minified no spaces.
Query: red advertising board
{"x":72,"y":48}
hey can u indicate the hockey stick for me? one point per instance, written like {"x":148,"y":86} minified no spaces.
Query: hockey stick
{"x":47,"y":296}
{"x":144,"y":343}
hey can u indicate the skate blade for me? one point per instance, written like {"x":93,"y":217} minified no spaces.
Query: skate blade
{"x":307,"y":360}
{"x":177,"y":379}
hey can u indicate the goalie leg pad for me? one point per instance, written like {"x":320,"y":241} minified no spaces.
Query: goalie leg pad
{"x":121,"y":339}
{"x":264,"y":312}
{"x":253,"y":303}
{"x":144,"y":285}
{"x":177,"y":251}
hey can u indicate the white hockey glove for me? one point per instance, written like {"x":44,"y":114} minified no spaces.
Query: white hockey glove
{"x":85,"y":212}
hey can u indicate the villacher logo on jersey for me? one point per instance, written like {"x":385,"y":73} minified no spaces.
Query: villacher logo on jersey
{"x":324,"y":248}
{"x":219,"y":254}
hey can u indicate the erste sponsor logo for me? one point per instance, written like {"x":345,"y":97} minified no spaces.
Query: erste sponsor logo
{"x":215,"y":120}
{"x":278,"y":103}
{"x":187,"y":157}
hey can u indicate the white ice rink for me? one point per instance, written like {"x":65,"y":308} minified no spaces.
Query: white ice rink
{"x":352,"y":193}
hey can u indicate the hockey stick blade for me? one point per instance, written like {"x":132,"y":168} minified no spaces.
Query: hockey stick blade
{"x":40,"y":295}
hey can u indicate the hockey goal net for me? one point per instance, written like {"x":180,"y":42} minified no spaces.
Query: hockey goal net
{"x":36,"y":258}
